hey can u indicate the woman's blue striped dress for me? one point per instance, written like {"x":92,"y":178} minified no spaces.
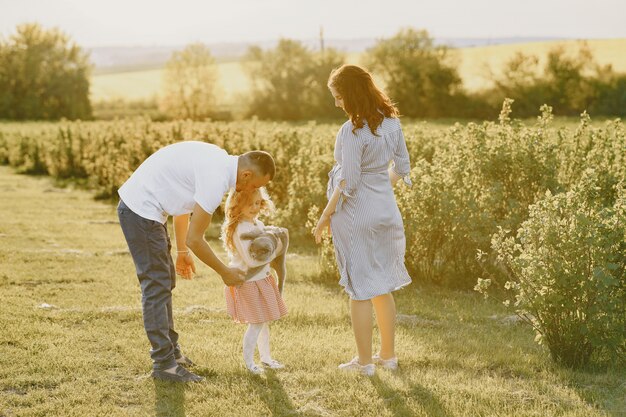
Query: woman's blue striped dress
{"x":367,"y":228}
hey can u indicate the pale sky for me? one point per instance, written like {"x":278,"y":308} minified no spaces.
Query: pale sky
{"x":157,"y":22}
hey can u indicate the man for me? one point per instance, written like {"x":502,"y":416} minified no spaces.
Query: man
{"x":179,"y":179}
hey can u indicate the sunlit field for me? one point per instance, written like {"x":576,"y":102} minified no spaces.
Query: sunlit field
{"x":146,"y":84}
{"x":73,"y":343}
{"x":474,"y":62}
{"x":496,"y":174}
{"x":472,"y":65}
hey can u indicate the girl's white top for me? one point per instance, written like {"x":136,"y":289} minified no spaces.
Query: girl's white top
{"x":241,"y":258}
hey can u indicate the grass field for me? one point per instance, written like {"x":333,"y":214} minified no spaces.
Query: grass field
{"x":73,"y":343}
{"x":472,"y":64}
{"x":146,"y":84}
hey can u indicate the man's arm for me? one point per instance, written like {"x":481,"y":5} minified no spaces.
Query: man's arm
{"x":200,"y":221}
{"x":185,"y":266}
{"x":181,"y":226}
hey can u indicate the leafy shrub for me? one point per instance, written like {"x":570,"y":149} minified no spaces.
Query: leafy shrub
{"x":482,"y":177}
{"x":567,"y":268}
{"x":469,"y":180}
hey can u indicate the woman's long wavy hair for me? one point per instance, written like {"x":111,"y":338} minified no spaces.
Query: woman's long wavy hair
{"x":233,"y":209}
{"x":362,"y":99}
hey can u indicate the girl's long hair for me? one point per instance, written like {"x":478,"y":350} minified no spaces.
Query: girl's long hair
{"x":362,"y":99}
{"x":233,"y":209}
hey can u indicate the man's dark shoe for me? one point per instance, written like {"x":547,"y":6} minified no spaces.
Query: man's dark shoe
{"x":184,"y":360}
{"x":181,"y":375}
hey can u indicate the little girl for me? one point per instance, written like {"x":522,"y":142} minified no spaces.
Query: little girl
{"x":258,"y":301}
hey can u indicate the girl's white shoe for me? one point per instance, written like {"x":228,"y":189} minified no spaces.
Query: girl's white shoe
{"x":255,"y":369}
{"x":355,"y":366}
{"x":391,"y":363}
{"x":273,"y":364}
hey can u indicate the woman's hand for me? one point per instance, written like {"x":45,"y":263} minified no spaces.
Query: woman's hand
{"x":184,"y":265}
{"x":322,"y":224}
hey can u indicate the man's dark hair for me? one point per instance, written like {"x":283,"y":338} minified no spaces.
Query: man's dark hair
{"x":262,"y":163}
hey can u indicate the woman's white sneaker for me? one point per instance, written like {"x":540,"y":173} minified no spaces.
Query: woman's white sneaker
{"x":355,"y":366}
{"x":391,"y":363}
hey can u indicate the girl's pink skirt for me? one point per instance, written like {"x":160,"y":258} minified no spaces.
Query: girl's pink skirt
{"x":255,"y":301}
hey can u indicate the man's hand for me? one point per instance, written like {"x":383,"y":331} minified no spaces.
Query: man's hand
{"x":185,"y":266}
{"x":233,"y":276}
{"x":200,"y":221}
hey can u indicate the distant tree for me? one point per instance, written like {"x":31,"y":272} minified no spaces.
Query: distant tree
{"x":43,"y":76}
{"x":610,"y":95}
{"x":289,"y":81}
{"x":520,"y":80}
{"x":322,"y":102}
{"x":190,"y":83}
{"x":569,"y":82}
{"x":416,"y":73}
{"x":569,"y":79}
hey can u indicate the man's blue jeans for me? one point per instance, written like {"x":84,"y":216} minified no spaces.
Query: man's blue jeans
{"x":150,"y":245}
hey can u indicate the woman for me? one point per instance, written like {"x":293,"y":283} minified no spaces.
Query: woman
{"x":367,"y":230}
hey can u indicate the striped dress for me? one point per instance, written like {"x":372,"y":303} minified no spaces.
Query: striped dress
{"x":367,"y":228}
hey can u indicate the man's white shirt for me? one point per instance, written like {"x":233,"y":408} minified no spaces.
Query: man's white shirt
{"x":173,"y":179}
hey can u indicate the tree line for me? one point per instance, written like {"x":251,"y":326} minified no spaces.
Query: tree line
{"x":44,"y":75}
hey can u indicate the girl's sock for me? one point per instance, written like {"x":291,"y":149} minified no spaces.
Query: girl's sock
{"x":263,"y":343}
{"x":249,"y":342}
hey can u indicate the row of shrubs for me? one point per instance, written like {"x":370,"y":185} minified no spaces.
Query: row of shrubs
{"x":537,"y":210}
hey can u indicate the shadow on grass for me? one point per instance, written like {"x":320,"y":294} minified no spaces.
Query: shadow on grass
{"x":270,"y":390}
{"x":169,"y":399}
{"x":599,"y":386}
{"x":396,"y":401}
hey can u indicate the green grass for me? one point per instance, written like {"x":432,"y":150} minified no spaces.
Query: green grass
{"x":472,"y":64}
{"x":87,"y":355}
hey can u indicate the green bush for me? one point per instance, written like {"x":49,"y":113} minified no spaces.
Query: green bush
{"x":600,"y":148}
{"x":567,"y":267}
{"x":469,"y":180}
{"x":327,"y":260}
{"x":106,"y":153}
{"x":480,"y":177}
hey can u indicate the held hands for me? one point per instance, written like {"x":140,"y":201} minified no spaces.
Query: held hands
{"x":233,"y":276}
{"x":185,"y":266}
{"x":322,"y":224}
